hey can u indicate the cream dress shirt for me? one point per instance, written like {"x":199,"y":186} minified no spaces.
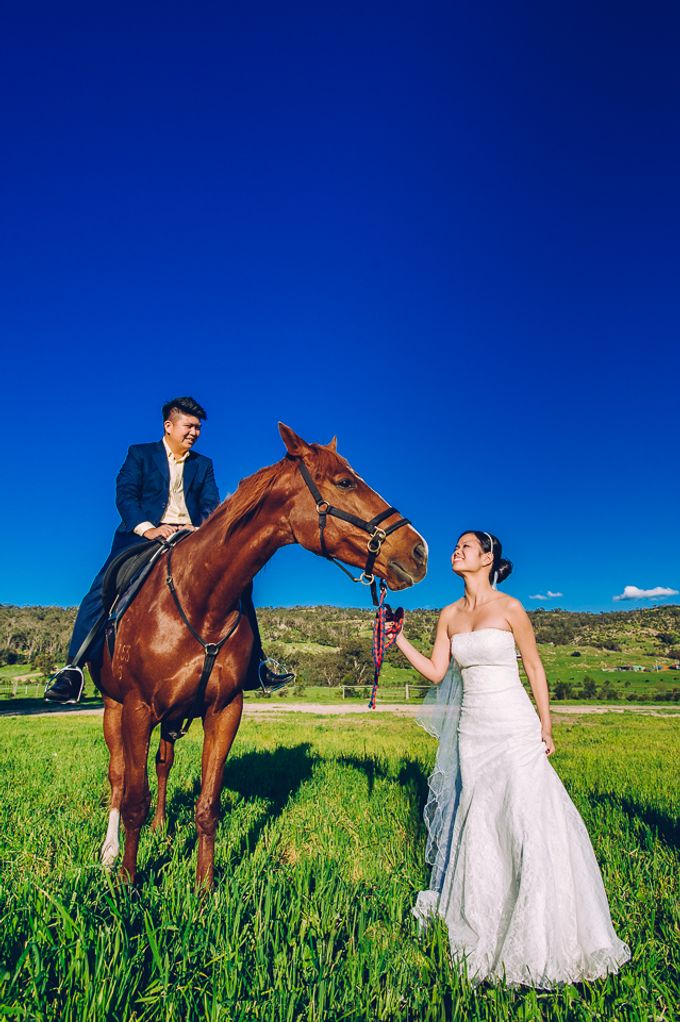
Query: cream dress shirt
{"x":176,"y":512}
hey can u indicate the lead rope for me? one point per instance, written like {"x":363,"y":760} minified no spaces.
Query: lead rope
{"x":383,"y":640}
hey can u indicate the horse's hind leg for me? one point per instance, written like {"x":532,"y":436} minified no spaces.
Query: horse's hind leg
{"x":112,"y":734}
{"x":220,"y":730}
{"x":136,"y":727}
{"x":165,"y":757}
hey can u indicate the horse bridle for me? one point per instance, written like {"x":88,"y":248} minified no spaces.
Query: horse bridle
{"x":377,"y":536}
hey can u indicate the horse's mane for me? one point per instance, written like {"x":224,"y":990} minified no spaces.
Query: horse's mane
{"x":242,"y":506}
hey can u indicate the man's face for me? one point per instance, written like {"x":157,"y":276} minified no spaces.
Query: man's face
{"x":182,"y":432}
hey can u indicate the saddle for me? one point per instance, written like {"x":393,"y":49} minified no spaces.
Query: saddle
{"x":126,"y":575}
{"x":124,"y":578}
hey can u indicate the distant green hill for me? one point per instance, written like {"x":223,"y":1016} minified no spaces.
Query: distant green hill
{"x":585,"y":655}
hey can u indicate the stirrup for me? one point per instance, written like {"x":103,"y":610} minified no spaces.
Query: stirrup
{"x":276,"y":667}
{"x":55,"y":679}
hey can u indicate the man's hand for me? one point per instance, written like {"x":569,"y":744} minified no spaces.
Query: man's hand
{"x":162,"y":532}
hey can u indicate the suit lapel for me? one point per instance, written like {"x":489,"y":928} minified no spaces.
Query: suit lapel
{"x":190,"y":469}
{"x":160,"y":458}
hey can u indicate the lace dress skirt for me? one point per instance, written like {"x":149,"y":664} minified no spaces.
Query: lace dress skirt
{"x":514,"y":873}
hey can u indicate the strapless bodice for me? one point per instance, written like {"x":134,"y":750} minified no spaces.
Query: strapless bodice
{"x":485,"y":647}
{"x":487,"y":662}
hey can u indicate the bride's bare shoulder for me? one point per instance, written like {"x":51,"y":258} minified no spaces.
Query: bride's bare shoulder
{"x":512,"y":607}
{"x":449,"y":612}
{"x":451,"y":609}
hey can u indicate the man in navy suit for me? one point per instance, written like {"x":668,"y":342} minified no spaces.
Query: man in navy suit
{"x":161,"y":488}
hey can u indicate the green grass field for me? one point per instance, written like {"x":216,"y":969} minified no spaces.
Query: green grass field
{"x":319,"y":857}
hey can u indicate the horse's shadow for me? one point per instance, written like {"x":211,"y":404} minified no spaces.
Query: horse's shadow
{"x":659,"y":822}
{"x":410,"y":775}
{"x":274,"y":776}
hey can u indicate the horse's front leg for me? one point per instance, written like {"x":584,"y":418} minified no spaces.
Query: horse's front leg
{"x":137,"y":722}
{"x":165,"y":757}
{"x":219,"y":732}
{"x":113,"y":713}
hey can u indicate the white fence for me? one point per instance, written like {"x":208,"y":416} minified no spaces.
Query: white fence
{"x":22,"y":685}
{"x":408,"y":689}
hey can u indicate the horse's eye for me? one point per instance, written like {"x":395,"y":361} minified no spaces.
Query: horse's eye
{"x":345,"y":484}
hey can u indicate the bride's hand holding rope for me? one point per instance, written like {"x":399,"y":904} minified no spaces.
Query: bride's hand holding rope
{"x":434,"y":667}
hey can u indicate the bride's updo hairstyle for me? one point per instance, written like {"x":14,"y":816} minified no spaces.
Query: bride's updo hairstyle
{"x":500,"y":564}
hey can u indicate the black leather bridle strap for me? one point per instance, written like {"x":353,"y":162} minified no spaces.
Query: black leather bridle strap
{"x":325,"y":508}
{"x":377,"y":536}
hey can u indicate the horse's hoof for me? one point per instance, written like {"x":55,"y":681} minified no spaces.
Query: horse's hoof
{"x":127,"y":882}
{"x":128,"y":888}
{"x":109,"y":854}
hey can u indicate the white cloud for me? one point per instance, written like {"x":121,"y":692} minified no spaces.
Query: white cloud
{"x":548,"y":596}
{"x":538,"y":596}
{"x":554,"y":596}
{"x":633,"y":593}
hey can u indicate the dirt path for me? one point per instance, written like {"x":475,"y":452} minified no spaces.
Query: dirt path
{"x":261,"y":708}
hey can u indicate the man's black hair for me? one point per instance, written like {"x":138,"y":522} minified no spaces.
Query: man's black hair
{"x":185,"y":405}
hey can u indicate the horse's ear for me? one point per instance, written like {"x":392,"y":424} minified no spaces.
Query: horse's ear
{"x":332,"y":445}
{"x":295,"y":445}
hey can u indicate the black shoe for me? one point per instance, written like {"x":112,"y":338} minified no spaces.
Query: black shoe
{"x":66,"y":686}
{"x":271,"y":681}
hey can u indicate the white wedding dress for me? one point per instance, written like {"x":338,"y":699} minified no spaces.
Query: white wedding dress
{"x":514,"y":874}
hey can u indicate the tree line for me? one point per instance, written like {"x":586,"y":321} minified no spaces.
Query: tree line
{"x":332,"y":645}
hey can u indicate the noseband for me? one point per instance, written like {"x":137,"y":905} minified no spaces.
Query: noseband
{"x":377,"y":536}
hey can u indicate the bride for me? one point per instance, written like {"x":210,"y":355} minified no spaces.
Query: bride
{"x":514,"y":874}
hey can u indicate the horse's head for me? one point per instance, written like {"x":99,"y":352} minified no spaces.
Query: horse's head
{"x":325,"y":484}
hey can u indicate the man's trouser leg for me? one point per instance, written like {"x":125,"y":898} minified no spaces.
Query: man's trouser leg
{"x":89,"y":612}
{"x":259,"y":673}
{"x":92,"y":605}
{"x":248,"y":609}
{"x":66,"y":686}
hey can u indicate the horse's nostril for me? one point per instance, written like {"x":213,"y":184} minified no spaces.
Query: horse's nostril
{"x":420,"y":553}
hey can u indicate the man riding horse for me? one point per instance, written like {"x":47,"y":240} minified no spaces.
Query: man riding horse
{"x":161,"y":488}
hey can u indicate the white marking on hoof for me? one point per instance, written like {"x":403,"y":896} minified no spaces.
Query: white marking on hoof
{"x":111,"y":846}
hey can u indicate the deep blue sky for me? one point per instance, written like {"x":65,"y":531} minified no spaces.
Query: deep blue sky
{"x":452,"y":238}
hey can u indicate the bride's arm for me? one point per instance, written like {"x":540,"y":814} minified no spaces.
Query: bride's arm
{"x":526,"y":643}
{"x":435,"y":666}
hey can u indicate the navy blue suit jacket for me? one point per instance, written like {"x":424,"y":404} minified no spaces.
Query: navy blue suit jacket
{"x":143,"y":486}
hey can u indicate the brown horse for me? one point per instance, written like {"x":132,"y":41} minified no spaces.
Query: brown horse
{"x":153,"y":677}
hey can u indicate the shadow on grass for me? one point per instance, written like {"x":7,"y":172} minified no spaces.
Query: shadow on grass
{"x":414,"y":776}
{"x":274,"y":776}
{"x":665,"y":825}
{"x":409,"y":774}
{"x":34,"y":705}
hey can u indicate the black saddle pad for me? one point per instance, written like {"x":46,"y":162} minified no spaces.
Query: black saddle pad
{"x":130,"y":568}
